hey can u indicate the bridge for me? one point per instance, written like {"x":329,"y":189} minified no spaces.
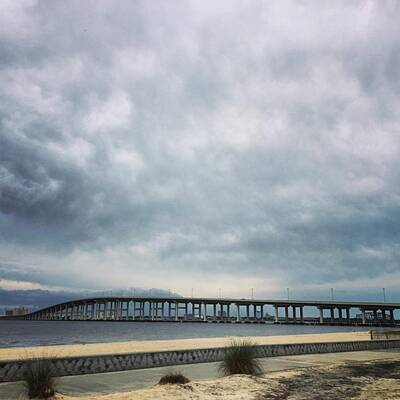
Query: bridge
{"x":222,"y":310}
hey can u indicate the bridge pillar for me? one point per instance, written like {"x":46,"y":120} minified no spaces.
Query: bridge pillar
{"x":237,"y":313}
{"x":375,"y":316}
{"x":247,"y":311}
{"x":340,"y":314}
{"x":276,"y":314}
{"x":228,"y":311}
{"x":391,"y":316}
{"x":348,"y":315}
{"x":294,"y":313}
{"x":302,"y":314}
{"x":332,"y":314}
{"x":262,"y":312}
{"x":105,"y":310}
{"x":363,"y":316}
{"x":112,"y":310}
{"x":321,"y":315}
{"x":151,"y":310}
{"x":286,"y":313}
{"x":176,"y":311}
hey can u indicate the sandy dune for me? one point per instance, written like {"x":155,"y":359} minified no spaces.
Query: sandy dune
{"x":374,"y":380}
{"x":160,"y":345}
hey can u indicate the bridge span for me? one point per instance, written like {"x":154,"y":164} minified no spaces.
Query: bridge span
{"x":225,"y":310}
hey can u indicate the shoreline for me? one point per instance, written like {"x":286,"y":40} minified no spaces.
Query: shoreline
{"x":139,"y":346}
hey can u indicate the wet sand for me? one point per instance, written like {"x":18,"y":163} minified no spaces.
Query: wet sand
{"x":160,"y":345}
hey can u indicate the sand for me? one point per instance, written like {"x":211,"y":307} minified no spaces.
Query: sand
{"x":373,"y":380}
{"x":160,"y":345}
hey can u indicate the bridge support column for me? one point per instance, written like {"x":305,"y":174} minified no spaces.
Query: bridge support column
{"x":262,"y":312}
{"x":276,"y":314}
{"x":237,"y":313}
{"x":348,"y":315}
{"x":321,"y":315}
{"x":247,"y":311}
{"x":332,"y":314}
{"x":176,"y":311}
{"x":391,"y":316}
{"x":114,"y":310}
{"x":302,"y":314}
{"x":294,"y":313}
{"x":214,"y":311}
{"x":375,"y":316}
{"x":340,"y":314}
{"x":363,"y":316}
{"x":228,"y":311}
{"x":286,"y":313}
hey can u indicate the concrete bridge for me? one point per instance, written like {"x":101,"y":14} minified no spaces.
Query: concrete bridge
{"x":225,"y":310}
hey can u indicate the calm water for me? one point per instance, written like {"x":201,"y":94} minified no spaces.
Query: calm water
{"x":39,"y":333}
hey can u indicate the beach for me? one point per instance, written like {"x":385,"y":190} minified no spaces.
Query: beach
{"x":370,"y":380}
{"x":363,"y":375}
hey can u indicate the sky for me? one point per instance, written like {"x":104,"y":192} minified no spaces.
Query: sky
{"x":200,"y":145}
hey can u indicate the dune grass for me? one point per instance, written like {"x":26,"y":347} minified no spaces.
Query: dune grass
{"x":240,"y":358}
{"x":173,"y":378}
{"x":39,"y":379}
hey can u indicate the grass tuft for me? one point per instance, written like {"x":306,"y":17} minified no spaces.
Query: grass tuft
{"x":240,"y":358}
{"x":39,"y":379}
{"x":173,"y":378}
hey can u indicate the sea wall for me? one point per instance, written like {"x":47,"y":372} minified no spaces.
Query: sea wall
{"x":13,"y":370}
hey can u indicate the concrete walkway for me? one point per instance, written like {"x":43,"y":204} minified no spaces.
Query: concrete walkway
{"x":136,"y":379}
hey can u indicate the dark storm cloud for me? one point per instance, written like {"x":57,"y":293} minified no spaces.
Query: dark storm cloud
{"x":171,"y":140}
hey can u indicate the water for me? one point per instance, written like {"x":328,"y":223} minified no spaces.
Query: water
{"x":41,"y":333}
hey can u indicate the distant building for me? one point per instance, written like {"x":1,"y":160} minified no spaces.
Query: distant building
{"x":14,"y":312}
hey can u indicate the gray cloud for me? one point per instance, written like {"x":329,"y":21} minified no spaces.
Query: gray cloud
{"x":186,"y":143}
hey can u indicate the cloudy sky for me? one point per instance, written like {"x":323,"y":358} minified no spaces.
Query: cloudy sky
{"x":200,"y":144}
